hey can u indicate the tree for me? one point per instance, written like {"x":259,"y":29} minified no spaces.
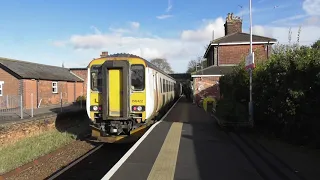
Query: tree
{"x":192,"y":65}
{"x":316,"y":45}
{"x":162,"y":64}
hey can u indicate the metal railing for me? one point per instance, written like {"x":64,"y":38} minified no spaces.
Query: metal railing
{"x":14,"y":107}
{"x":10,"y":105}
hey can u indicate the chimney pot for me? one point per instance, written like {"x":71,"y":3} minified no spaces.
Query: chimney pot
{"x":104,"y":54}
{"x":233,"y":24}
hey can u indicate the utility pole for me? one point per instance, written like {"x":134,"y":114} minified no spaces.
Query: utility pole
{"x":251,"y":68}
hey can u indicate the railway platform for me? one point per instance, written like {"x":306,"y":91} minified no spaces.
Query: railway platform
{"x":186,"y":144}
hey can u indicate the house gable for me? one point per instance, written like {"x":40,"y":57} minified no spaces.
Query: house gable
{"x":237,"y":42}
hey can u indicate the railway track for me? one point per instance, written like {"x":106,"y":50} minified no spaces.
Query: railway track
{"x":94,"y":164}
{"x":267,"y":164}
{"x":98,"y":161}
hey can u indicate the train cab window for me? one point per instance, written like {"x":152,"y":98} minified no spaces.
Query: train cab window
{"x":137,"y":77}
{"x":96,"y":78}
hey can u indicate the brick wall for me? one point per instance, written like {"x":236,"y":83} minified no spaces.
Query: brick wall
{"x":11,"y":84}
{"x":205,"y":87}
{"x":30,"y":86}
{"x":70,"y":91}
{"x":83,"y":74}
{"x":234,"y":54}
{"x":50,"y":98}
{"x":232,"y":27}
{"x":80,"y":91}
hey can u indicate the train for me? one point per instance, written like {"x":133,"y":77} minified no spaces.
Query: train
{"x":126,"y":92}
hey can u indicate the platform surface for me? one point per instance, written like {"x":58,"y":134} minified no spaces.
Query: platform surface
{"x":187,"y":145}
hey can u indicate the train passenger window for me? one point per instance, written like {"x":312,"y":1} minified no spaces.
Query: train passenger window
{"x":137,"y":77}
{"x":160,"y":85}
{"x":96,"y":78}
{"x":163,"y":85}
{"x":167,"y":84}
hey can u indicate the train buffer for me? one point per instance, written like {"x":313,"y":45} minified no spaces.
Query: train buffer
{"x":187,"y":144}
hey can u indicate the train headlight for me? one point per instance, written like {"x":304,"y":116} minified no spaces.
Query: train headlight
{"x":138,"y":108}
{"x":95,"y":108}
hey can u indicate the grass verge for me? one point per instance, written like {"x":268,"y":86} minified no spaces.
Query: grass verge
{"x":31,"y":148}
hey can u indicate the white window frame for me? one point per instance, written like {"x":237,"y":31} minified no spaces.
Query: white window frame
{"x":55,"y":86}
{"x":1,"y":88}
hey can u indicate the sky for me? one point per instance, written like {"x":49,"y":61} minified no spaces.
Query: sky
{"x":74,"y":32}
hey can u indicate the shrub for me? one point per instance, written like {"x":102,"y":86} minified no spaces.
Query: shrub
{"x":285,"y":93}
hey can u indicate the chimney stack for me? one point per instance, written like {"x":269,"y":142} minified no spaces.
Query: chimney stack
{"x":233,"y":24}
{"x":104,"y":54}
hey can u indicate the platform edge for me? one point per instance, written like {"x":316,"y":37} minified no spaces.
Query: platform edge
{"x":115,"y":168}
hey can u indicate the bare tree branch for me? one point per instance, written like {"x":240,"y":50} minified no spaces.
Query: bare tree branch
{"x":162,"y":64}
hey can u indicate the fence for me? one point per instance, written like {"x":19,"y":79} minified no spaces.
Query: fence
{"x":14,"y":107}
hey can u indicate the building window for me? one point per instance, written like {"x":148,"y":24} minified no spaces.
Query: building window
{"x":137,"y":77}
{"x":54,"y":87}
{"x":1,"y":88}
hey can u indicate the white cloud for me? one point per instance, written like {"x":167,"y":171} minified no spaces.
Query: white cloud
{"x":96,"y":30}
{"x":312,"y":7}
{"x":205,"y":33}
{"x":169,"y":6}
{"x":313,"y":20}
{"x":288,"y":19}
{"x":135,"y":25}
{"x":189,"y":45}
{"x":307,"y":35}
{"x":59,"y":43}
{"x":166,"y":16}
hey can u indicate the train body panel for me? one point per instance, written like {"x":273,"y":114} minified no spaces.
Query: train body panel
{"x":125,"y":91}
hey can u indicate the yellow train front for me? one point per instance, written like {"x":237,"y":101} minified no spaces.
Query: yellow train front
{"x":126,"y":93}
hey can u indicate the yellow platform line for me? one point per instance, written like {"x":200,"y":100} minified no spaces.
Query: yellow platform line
{"x":165,"y":164}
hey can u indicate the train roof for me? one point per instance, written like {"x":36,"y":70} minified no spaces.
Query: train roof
{"x":147,"y":62}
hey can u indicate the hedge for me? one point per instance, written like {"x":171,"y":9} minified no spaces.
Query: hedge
{"x":286,"y":93}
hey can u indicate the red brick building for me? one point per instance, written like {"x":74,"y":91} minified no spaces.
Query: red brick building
{"x":224,"y":53}
{"x":47,"y":83}
{"x":83,"y":74}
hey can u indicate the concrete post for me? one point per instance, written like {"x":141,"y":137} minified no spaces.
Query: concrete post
{"x":21,"y":107}
{"x":31,"y":104}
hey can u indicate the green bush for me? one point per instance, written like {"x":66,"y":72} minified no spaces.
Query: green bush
{"x":285,"y":93}
{"x":81,"y":100}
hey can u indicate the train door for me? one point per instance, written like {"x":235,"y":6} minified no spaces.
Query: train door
{"x":115,"y":89}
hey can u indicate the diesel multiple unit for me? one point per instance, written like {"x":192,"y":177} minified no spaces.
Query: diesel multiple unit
{"x":124,"y":92}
